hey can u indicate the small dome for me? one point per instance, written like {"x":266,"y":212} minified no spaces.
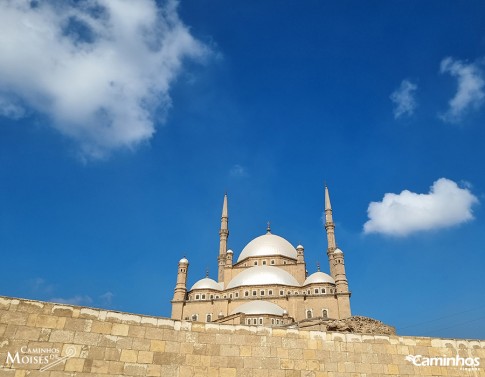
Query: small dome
{"x":319,"y":277}
{"x":208,"y":283}
{"x":259,"y":307}
{"x":338,"y":251}
{"x":268,"y":244}
{"x":299,"y":247}
{"x":263,"y":275}
{"x":230,"y":251}
{"x":184,"y":260}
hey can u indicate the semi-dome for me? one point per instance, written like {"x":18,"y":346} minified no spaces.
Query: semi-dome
{"x":258,"y":307}
{"x":263,"y":275}
{"x":268,"y":244}
{"x":208,"y":283}
{"x":319,"y":277}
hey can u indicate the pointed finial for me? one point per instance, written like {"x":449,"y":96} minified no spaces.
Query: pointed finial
{"x":207,"y":272}
{"x":318,"y":266}
{"x":328,"y":205}
{"x":224,"y":206}
{"x":268,"y":228}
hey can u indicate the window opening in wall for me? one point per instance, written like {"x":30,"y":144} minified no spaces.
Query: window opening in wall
{"x":203,"y":297}
{"x":264,"y":263}
{"x":261,"y":292}
{"x":270,"y":292}
{"x":272,"y":261}
{"x":195,"y":317}
{"x":237,"y":294}
{"x":255,"y":293}
{"x":325,"y":313}
{"x":255,"y":321}
{"x":197,"y":297}
{"x":208,"y":318}
{"x":282,"y":293}
{"x":246,"y":293}
{"x":309,"y":314}
{"x":248,"y":321}
{"x":255,"y":262}
{"x":316,"y":290}
{"x":230,"y":295}
{"x":261,"y":321}
{"x":212,"y":297}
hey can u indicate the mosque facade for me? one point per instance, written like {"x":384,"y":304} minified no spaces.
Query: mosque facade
{"x":267,"y":285}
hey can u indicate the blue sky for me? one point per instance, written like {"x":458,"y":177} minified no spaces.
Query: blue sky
{"x":122,"y":125}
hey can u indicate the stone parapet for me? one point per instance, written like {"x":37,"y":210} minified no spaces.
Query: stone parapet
{"x":57,"y":340}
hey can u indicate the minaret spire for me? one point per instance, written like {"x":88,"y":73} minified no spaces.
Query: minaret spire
{"x":223,"y":235}
{"x":329,"y":224}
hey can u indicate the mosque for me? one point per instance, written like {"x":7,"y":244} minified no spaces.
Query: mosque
{"x":268,"y":284}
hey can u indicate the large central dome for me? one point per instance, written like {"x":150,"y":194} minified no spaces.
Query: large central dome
{"x":268,"y":244}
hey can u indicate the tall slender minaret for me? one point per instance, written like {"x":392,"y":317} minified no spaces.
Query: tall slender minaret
{"x":330,"y":229}
{"x":223,"y":235}
{"x":180,"y":289}
{"x":336,"y":262}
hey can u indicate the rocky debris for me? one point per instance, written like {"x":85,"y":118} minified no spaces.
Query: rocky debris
{"x":354,"y":324}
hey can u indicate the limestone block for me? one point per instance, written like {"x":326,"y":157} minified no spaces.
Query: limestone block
{"x":101,"y":327}
{"x":227,"y":372}
{"x":141,"y":344}
{"x":74,"y":365}
{"x":62,"y":311}
{"x":86,"y":338}
{"x":153,"y":333}
{"x":136,"y":331}
{"x":112,"y":354}
{"x":14,"y":318}
{"x":145,"y":357}
{"x":157,"y":345}
{"x":135,"y":369}
{"x":115,"y":367}
{"x":120,"y":329}
{"x":89,"y":313}
{"x":28,"y":333}
{"x":129,"y":356}
{"x":154,"y":370}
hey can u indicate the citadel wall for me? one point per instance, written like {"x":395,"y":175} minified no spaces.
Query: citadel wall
{"x":52,"y":340}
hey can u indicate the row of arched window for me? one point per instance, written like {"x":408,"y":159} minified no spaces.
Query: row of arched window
{"x":263,"y":292}
{"x":309,"y":313}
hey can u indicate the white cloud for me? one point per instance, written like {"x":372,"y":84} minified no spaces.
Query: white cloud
{"x":238,"y":171}
{"x":106,"y":298}
{"x":75,"y":300}
{"x":445,"y":205}
{"x":403,"y":99}
{"x":470,"y":93}
{"x":97,"y":68}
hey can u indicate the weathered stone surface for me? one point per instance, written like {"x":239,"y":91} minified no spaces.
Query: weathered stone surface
{"x":117,"y":344}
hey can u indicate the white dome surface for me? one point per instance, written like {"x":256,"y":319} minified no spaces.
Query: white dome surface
{"x":263,"y":275}
{"x":184,"y":260}
{"x":258,"y":307}
{"x":208,"y":283}
{"x":268,"y":244}
{"x":319,"y":277}
{"x":338,"y":251}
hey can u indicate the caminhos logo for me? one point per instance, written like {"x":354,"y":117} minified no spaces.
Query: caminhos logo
{"x":444,"y":361}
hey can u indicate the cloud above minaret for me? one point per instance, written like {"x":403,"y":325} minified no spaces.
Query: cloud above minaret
{"x":445,"y":205}
{"x":99,"y":71}
{"x":404,"y":100}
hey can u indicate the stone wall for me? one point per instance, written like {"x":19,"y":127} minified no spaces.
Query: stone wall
{"x":51,"y":340}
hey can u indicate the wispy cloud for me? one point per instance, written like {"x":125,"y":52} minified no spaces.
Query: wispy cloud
{"x":75,"y":300}
{"x":98,"y":69}
{"x":404,"y":99}
{"x":106,"y":298}
{"x":41,"y":286}
{"x":445,"y":205}
{"x":470,"y":93}
{"x":238,"y":171}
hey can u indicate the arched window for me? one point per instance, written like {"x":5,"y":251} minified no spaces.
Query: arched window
{"x":316,"y":290}
{"x":264,"y":263}
{"x":197,"y":297}
{"x":195,"y":317}
{"x":324,"y":313}
{"x":208,"y":318}
{"x":255,"y":262}
{"x":309,"y":313}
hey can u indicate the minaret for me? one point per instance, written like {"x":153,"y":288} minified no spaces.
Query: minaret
{"x":336,"y":262}
{"x":223,"y":234}
{"x":330,"y":229}
{"x":180,"y":289}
